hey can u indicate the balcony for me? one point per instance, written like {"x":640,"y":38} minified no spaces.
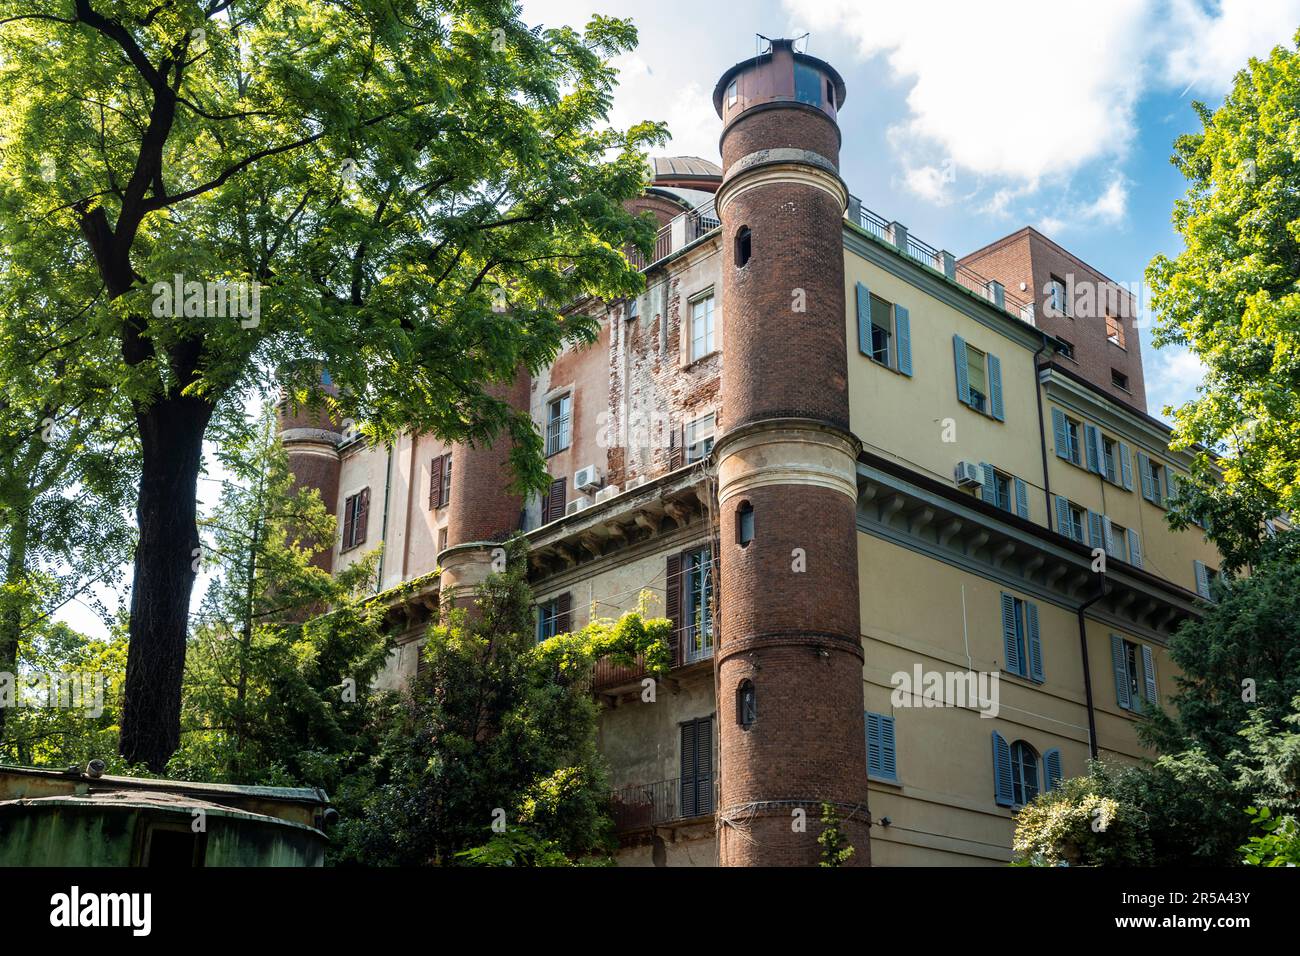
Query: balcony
{"x":646,"y":805}
{"x":686,"y":650}
{"x":679,"y":233}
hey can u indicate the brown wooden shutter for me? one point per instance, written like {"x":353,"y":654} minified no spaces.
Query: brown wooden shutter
{"x":435,"y":483}
{"x":349,"y":510}
{"x":563,"y":605}
{"x":444,"y":487}
{"x":363,"y":514}
{"x":675,"y":439}
{"x":553,"y":506}
{"x":687,"y":771}
{"x":673,"y":600}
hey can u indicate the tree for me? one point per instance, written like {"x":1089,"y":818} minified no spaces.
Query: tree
{"x":1232,"y":298}
{"x":404,"y":192}
{"x":1086,"y":821}
{"x":490,"y":758}
{"x":283,"y":654}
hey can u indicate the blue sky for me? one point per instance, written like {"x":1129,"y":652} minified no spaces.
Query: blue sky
{"x":967,"y":120}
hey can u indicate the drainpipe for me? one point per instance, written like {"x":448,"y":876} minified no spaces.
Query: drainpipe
{"x":1042,"y":434}
{"x":388,"y":485}
{"x":1087,"y":672}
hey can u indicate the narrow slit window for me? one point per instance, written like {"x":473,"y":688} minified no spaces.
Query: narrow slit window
{"x":743,"y":247}
{"x":746,"y":704}
{"x":744,"y":523}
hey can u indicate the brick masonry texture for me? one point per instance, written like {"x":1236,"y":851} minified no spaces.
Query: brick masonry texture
{"x":482,"y":507}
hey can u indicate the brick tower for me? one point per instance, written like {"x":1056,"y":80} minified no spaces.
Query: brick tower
{"x":483,"y":512}
{"x":790,"y":702}
{"x":311,"y":440}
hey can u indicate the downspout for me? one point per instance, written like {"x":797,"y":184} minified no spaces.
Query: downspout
{"x":1042,"y":434}
{"x":1087,"y":672}
{"x":383,"y":540}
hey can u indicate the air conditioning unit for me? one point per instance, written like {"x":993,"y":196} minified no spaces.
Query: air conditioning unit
{"x":587,"y":479}
{"x":609,"y":491}
{"x":577,"y":504}
{"x":969,"y":474}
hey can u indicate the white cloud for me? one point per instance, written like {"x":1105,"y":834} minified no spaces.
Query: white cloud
{"x":1107,"y":209}
{"x":1172,"y":375}
{"x":1030,"y":90}
{"x":1211,"y":45}
{"x":689,"y":112}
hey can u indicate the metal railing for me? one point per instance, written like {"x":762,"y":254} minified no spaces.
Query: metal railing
{"x":678,"y":233}
{"x":686,"y":649}
{"x":651,"y":804}
{"x":926,"y":254}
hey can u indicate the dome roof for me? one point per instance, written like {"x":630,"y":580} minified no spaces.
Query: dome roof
{"x":686,"y":171}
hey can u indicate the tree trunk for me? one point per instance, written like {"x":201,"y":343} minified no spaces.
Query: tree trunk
{"x":166,"y":563}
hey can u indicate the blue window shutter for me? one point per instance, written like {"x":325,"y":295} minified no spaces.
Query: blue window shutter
{"x":903,"y":335}
{"x":1035,"y":646}
{"x":1010,"y":639}
{"x":888,"y":757}
{"x":864,"y":319}
{"x":1202,"y":580}
{"x":1051,"y":769}
{"x":989,"y":490}
{"x":1126,"y":466}
{"x":1095,"y":537}
{"x":1002,"y":790}
{"x":1134,"y":549}
{"x":1063,"y":524}
{"x":1144,"y":475}
{"x":1022,"y":499}
{"x":1092,"y":442}
{"x":1062,"y":434}
{"x":1170,"y":484}
{"x":1121,"y":671}
{"x":873,"y":744}
{"x":995,"y":387}
{"x":959,"y":358}
{"x":1107,"y":535}
{"x":1149,"y":673}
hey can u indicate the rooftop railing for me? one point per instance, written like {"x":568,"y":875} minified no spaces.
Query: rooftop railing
{"x":678,"y":233}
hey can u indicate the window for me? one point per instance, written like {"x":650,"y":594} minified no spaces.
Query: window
{"x":1135,"y":673}
{"x":1021,"y":642}
{"x":701,"y":327}
{"x":807,"y":84}
{"x":1118,"y":542}
{"x":553,"y":502}
{"x":1108,"y":459}
{"x":698,"y":571}
{"x":1058,"y":305}
{"x":731,"y":93}
{"x":553,"y":617}
{"x":696,"y":775}
{"x":1066,"y":431}
{"x":746,"y":704}
{"x":882,"y":330}
{"x":1076,"y":521}
{"x":882,"y":759}
{"x":356,"y":512}
{"x":1024,"y":773}
{"x":633,"y":308}
{"x":744,"y":523}
{"x":442,"y":539}
{"x":1002,"y":491}
{"x":1006,"y":491}
{"x":170,"y":847}
{"x":1066,"y":347}
{"x":743,"y":247}
{"x":440,"y":481}
{"x":699,"y":437}
{"x":1115,"y":331}
{"x":1153,"y":477}
{"x":975,"y":376}
{"x":557,"y":424}
{"x":1070,"y":519}
{"x":1119,"y":379}
{"x":1205,"y":578}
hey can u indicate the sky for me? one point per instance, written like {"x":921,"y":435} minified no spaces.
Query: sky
{"x":966,"y":120}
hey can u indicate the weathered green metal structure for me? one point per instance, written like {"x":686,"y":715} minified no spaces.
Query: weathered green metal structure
{"x":77,"y":818}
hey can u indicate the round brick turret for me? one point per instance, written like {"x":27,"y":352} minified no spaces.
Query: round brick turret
{"x":311,"y":440}
{"x":787,"y":469}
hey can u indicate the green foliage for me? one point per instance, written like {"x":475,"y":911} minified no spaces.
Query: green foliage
{"x":1086,"y":821}
{"x":495,"y":729}
{"x":1232,"y":298}
{"x":276,"y":691}
{"x":1278,"y":843}
{"x":836,"y":850}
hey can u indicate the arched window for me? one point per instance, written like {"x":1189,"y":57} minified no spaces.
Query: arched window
{"x":1024,"y":773}
{"x":742,"y":246}
{"x":744,"y":523}
{"x":746,"y":705}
